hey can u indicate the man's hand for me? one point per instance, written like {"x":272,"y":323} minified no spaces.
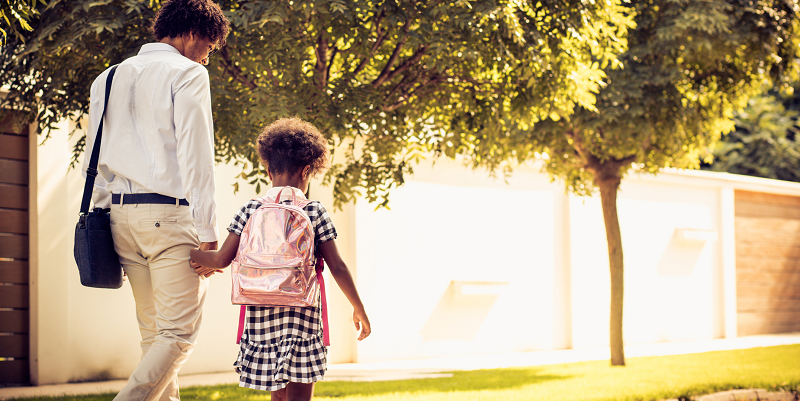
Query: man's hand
{"x":208,"y":246}
{"x":202,"y":270}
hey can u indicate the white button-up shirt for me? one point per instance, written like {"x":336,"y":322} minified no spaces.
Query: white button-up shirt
{"x":158,"y":134}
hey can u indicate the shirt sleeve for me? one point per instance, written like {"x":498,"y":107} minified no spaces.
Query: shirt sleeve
{"x":323,"y":225}
{"x":241,"y":217}
{"x":194,"y":132}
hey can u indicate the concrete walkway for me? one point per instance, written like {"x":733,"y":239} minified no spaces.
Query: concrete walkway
{"x":434,"y":367}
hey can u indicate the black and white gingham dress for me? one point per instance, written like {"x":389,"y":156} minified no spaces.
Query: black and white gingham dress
{"x":282,"y":344}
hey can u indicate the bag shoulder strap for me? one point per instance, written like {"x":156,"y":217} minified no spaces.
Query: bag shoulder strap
{"x":91,"y":171}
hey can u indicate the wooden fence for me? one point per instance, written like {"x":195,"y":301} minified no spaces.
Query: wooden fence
{"x":14,"y":298}
{"x":767,"y":263}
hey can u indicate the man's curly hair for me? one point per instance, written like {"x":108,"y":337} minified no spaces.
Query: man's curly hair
{"x":290,"y":144}
{"x":199,"y":17}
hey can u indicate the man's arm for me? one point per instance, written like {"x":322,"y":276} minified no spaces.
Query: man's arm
{"x":194,"y":131}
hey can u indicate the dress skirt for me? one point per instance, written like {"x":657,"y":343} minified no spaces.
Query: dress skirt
{"x":280,"y":345}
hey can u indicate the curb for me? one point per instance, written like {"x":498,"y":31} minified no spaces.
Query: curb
{"x":747,"y":395}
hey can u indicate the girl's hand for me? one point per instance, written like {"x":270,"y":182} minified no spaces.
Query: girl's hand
{"x":362,"y":322}
{"x":202,"y":270}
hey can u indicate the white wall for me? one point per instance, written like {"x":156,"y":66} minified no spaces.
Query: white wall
{"x":462,"y":264}
{"x":669,"y":281}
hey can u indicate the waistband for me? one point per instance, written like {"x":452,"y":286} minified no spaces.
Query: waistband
{"x":124,"y":199}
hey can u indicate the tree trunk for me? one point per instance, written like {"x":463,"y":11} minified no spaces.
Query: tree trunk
{"x":608,"y":197}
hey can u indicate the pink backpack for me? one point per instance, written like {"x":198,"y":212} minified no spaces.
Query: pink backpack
{"x":275,"y":263}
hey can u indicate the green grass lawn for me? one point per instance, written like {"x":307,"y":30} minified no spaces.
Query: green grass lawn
{"x":648,"y":378}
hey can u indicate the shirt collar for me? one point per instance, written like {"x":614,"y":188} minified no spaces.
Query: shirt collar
{"x":158,"y":47}
{"x":273,"y":192}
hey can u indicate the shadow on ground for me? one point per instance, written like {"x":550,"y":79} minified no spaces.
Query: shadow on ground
{"x":461,"y":381}
{"x":504,"y":379}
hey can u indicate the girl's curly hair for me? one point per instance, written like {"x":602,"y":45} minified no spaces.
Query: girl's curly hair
{"x":290,"y":144}
{"x":199,"y":17}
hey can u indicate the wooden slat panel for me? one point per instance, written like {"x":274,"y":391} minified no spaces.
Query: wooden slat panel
{"x":767,"y":304}
{"x":768,"y":278}
{"x":14,"y":296}
{"x":16,"y":371}
{"x":14,"y":246}
{"x":14,"y":346}
{"x":767,"y":223}
{"x":750,"y":264}
{"x":15,"y":271}
{"x":761,"y":197}
{"x":765,"y":237}
{"x":13,"y":172}
{"x":766,"y":328}
{"x":14,"y":321}
{"x":781,"y":251}
{"x":13,"y":221}
{"x":14,"y":196}
{"x":14,"y":147}
{"x":752,"y":209}
{"x":772,"y":318}
{"x":765,"y":291}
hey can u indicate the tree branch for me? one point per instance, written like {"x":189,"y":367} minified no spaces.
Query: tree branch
{"x":410,"y":94}
{"x":381,"y":37}
{"x":602,"y":169}
{"x":393,"y":58}
{"x":321,"y":67}
{"x":408,"y":63}
{"x":398,"y":86}
{"x":330,"y":63}
{"x":234,"y":70}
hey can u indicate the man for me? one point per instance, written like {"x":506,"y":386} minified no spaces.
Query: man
{"x":156,"y":172}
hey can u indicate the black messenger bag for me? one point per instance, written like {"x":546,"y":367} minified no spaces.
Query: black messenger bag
{"x":98,"y":263}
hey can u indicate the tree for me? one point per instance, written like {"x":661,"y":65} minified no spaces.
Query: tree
{"x":688,"y":66}
{"x":382,"y":79}
{"x":765,"y":140}
{"x":14,"y":12}
{"x":49,"y":70}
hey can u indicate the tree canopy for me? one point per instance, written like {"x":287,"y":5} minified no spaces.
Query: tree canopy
{"x":386,"y":81}
{"x":766,"y":140}
{"x":689,"y":65}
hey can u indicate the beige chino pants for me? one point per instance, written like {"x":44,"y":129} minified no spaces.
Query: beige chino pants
{"x":153,"y":243}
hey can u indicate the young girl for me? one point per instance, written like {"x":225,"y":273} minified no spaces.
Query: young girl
{"x":281,"y":348}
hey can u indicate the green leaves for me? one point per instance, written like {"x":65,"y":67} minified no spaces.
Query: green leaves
{"x":49,"y":71}
{"x":14,"y":12}
{"x":388,"y":82}
{"x":689,"y":65}
{"x":765,"y":141}
{"x":385,"y":81}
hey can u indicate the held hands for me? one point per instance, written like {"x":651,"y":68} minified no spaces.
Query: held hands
{"x":361,"y":321}
{"x":200,"y":269}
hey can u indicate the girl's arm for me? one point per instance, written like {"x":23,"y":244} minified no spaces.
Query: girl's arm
{"x":210,"y":261}
{"x":341,"y":274}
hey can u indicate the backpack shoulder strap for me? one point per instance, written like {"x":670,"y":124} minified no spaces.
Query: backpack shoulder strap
{"x":264,"y":200}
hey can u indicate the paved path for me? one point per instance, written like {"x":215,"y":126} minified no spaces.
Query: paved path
{"x":434,"y":367}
